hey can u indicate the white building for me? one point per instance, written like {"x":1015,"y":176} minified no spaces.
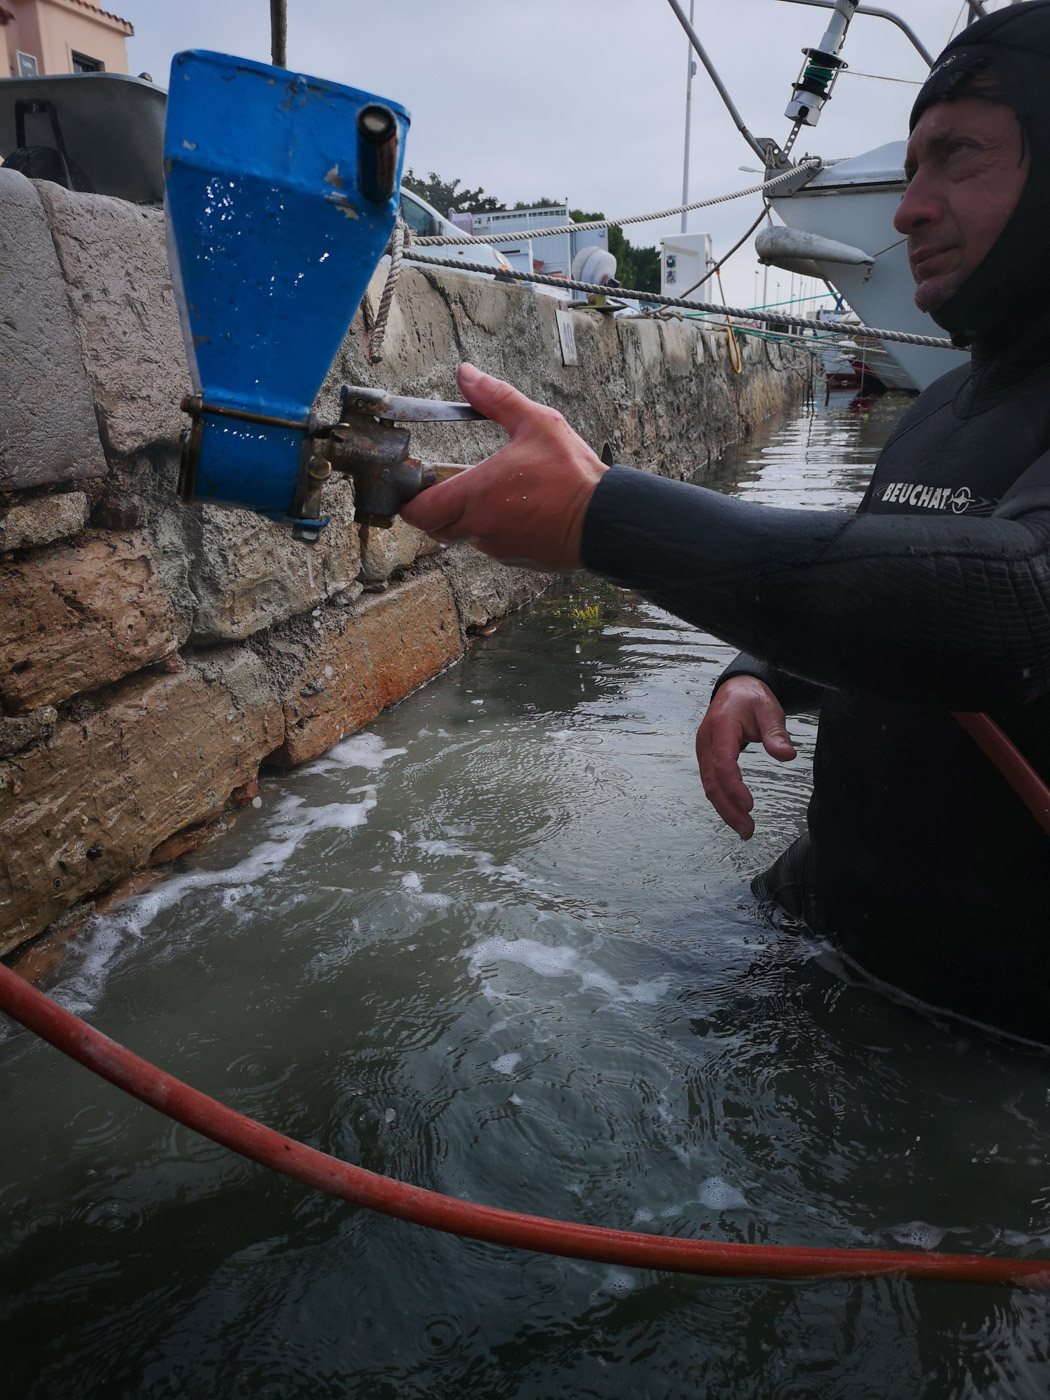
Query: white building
{"x":551,"y":255}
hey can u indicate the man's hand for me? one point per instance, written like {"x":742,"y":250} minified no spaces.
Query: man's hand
{"x":744,"y":711}
{"x":525,"y":504}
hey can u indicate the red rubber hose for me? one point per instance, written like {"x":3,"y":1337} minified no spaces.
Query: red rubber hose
{"x":305,"y":1164}
{"x":1011,"y":763}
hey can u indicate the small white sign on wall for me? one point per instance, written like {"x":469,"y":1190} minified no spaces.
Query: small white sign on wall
{"x":567,"y":336}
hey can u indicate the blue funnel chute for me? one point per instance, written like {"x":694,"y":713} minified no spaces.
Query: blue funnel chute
{"x":281,"y":194}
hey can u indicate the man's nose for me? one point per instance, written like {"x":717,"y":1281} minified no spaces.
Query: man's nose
{"x":919,"y":206}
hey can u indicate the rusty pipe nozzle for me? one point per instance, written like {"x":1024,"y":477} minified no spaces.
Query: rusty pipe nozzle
{"x":375,"y":456}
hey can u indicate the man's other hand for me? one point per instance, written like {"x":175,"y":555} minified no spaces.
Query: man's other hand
{"x":526,"y":503}
{"x":743,"y":711}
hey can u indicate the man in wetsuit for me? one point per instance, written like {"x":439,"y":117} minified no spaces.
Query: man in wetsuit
{"x":935,"y":597}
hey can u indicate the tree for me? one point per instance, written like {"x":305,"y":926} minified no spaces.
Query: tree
{"x":636,"y":268}
{"x":446,"y":194}
{"x":543,"y":203}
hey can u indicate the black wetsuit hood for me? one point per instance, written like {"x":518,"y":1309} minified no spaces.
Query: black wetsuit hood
{"x":1006,"y":300}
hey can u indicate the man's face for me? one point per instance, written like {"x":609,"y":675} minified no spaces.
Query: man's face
{"x":966,"y":166}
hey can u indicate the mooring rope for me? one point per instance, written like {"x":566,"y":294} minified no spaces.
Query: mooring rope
{"x":741,"y":312}
{"x":811,"y":165}
{"x":375,"y":322}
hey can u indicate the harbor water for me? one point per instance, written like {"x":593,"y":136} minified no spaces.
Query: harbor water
{"x":499,"y":946}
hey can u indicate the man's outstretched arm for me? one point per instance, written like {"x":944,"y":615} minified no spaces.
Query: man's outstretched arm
{"x":946,"y":611}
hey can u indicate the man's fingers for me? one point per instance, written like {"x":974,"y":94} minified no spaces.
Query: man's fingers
{"x":723,"y":784}
{"x":495,"y":399}
{"x":743,"y":711}
{"x":733,"y":805}
{"x":525,"y":504}
{"x":776,"y":741}
{"x":438,"y":509}
{"x":442,"y":509}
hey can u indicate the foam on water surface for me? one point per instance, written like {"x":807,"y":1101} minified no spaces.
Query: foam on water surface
{"x":919,"y":1234}
{"x":483,"y":861}
{"x":616,"y":1283}
{"x":366,"y":750}
{"x":717,"y":1194}
{"x":289,"y":822}
{"x":560,"y":961}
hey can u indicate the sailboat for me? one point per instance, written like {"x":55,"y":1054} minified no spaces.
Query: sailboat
{"x":836,"y":221}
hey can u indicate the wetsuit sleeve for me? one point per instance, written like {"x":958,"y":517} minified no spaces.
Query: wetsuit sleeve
{"x":794,"y":693}
{"x":944,"y":609}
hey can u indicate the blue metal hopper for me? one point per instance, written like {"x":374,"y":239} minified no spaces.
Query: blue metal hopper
{"x":281,"y":195}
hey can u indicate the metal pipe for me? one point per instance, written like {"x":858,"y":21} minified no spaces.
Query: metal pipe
{"x":835,"y":34}
{"x":279,"y":33}
{"x":881,"y":14}
{"x":377,"y":152}
{"x":719,"y":85}
{"x":195,"y":406}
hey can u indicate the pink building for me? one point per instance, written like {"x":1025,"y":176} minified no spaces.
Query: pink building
{"x":39,"y":37}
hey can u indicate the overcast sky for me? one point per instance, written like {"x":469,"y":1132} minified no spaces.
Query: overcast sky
{"x":578,"y":99}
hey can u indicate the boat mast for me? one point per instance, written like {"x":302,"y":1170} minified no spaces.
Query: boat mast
{"x":712,"y":73}
{"x":691,"y":69}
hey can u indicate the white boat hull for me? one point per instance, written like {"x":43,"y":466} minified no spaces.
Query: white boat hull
{"x":854,"y":202}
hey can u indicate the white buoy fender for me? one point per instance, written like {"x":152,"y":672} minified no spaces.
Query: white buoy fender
{"x":593,"y":264}
{"x":795,"y":250}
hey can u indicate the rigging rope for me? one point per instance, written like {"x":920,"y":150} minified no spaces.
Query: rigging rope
{"x":724,"y":259}
{"x":186,"y":1105}
{"x":811,"y":165}
{"x":743,"y":313}
{"x":375,"y":323}
{"x":735,"y":357}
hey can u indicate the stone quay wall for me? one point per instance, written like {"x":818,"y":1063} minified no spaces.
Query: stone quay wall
{"x":154,"y":656}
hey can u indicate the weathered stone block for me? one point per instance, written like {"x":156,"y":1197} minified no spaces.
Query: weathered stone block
{"x":483,"y":588}
{"x":384,"y":552}
{"x":88,"y":806}
{"x":642,"y":348}
{"x":248,"y":573}
{"x":43,"y":521}
{"x":17,"y":732}
{"x":120,"y":510}
{"x":362,"y":660}
{"x":679,"y":349}
{"x":112,"y":255}
{"x":48,"y":431}
{"x":72,"y":619}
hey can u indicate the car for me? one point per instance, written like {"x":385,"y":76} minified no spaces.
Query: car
{"x":98,"y":132}
{"x":425,"y":222}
